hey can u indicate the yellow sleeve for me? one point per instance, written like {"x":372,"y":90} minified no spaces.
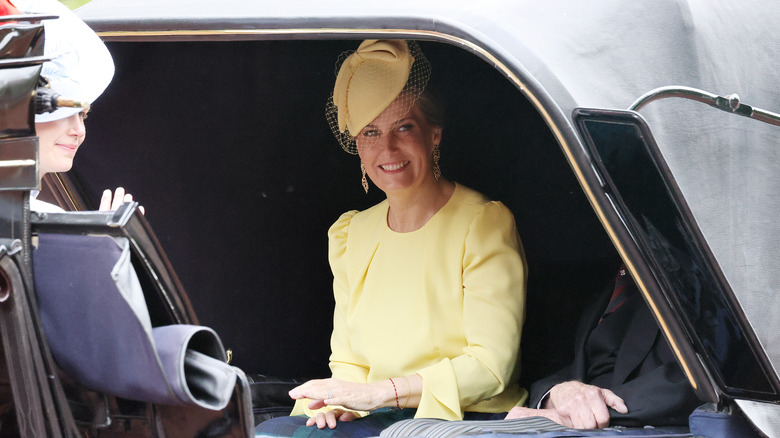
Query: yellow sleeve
{"x":494,"y":277}
{"x":343,"y":364}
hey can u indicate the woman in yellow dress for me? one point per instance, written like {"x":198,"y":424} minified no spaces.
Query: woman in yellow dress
{"x":429,"y":284}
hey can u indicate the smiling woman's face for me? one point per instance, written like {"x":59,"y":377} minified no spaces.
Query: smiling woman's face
{"x":58,"y":142}
{"x":397,"y":153}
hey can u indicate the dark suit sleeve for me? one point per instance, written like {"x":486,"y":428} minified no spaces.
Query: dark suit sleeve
{"x":659,"y":395}
{"x":653,"y":387}
{"x":575,"y":370}
{"x":540,"y":388}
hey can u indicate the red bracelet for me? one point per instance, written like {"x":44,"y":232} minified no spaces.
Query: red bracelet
{"x":398,"y":405}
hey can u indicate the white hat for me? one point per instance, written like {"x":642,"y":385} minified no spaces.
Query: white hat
{"x":81,"y":67}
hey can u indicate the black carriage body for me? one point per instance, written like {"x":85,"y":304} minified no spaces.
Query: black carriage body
{"x":215,"y":122}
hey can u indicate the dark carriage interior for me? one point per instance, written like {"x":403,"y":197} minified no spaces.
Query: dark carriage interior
{"x":227,"y":147}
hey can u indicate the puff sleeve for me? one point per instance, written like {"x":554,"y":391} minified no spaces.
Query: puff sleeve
{"x":343,"y":363}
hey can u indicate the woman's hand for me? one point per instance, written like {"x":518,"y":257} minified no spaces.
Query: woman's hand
{"x":109,"y":202}
{"x":331,"y":418}
{"x":356,"y":396}
{"x":335,"y":392}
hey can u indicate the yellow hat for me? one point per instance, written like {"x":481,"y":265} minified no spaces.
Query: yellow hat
{"x":369,"y":80}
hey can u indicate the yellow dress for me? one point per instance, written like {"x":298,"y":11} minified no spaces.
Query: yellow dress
{"x":446,"y":301}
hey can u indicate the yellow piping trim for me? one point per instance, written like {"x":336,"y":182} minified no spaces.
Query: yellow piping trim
{"x":509,"y":74}
{"x":225,"y":32}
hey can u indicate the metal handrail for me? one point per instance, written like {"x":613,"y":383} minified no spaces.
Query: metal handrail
{"x":28,"y":18}
{"x":730,"y":103}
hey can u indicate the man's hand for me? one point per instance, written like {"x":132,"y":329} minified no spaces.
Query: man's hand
{"x":583,"y":406}
{"x":575,"y":404}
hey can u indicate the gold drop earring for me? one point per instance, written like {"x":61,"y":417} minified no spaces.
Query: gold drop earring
{"x":436,"y":157}
{"x":364,"y":181}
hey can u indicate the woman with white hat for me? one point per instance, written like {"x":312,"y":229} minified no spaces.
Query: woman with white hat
{"x":429,"y":284}
{"x":80,"y":68}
